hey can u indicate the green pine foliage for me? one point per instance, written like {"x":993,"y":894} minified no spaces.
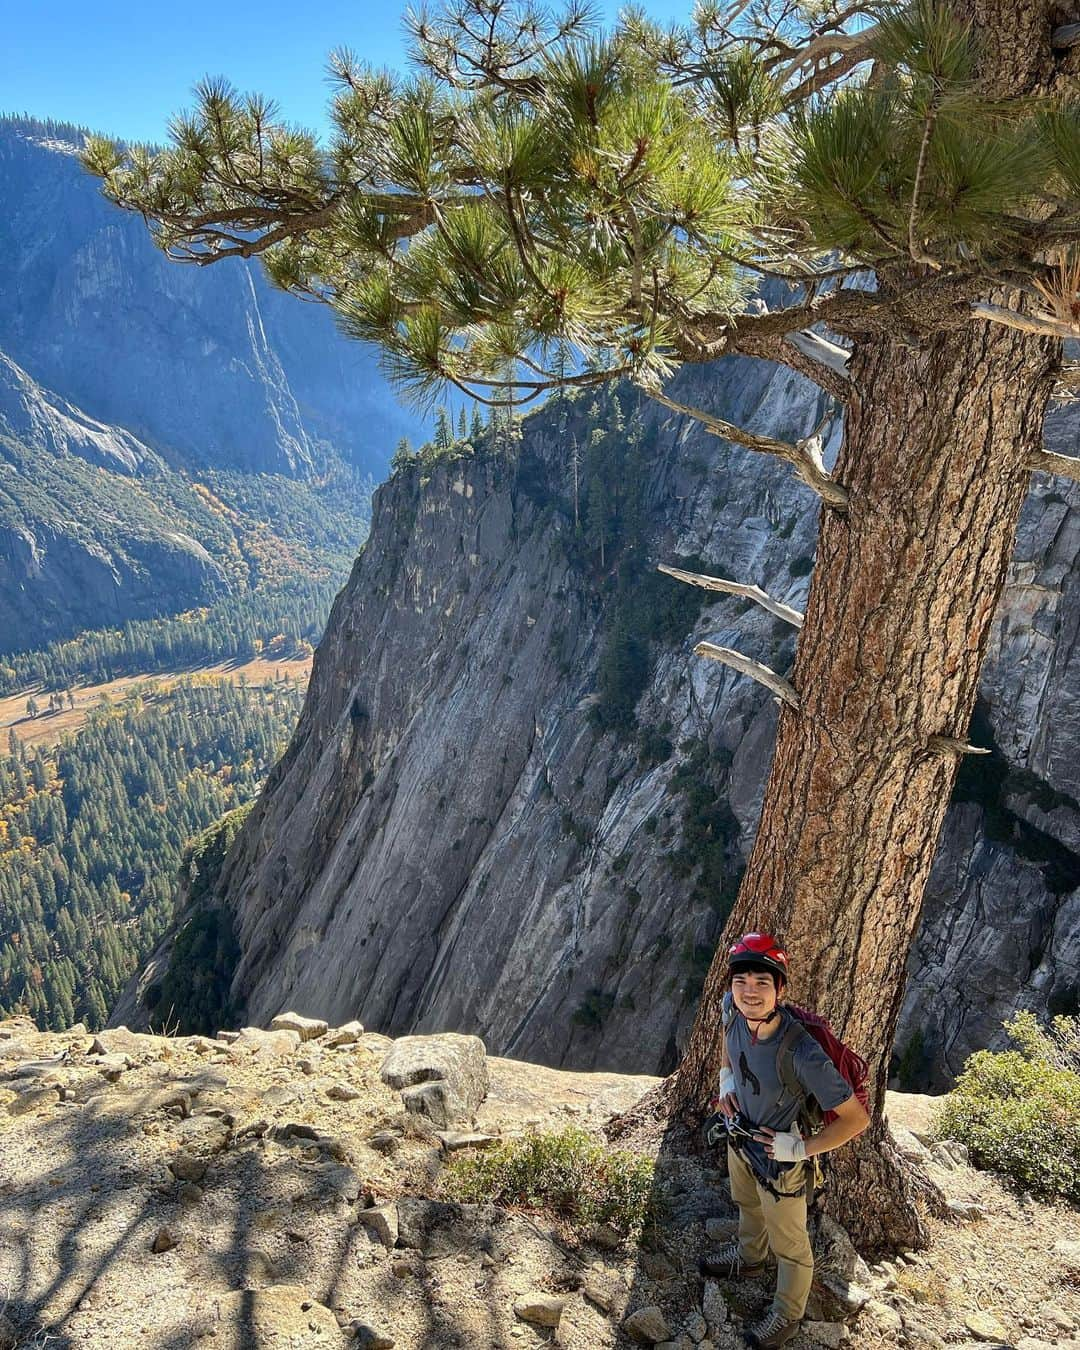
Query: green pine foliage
{"x":1018,"y":1111}
{"x":282,"y":623}
{"x":569,"y":1174}
{"x":92,"y":832}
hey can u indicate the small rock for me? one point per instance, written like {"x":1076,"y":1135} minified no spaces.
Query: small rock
{"x":966,"y":1210}
{"x":307,"y":1028}
{"x":719,"y":1230}
{"x":112,"y":1066}
{"x":348,"y":1034}
{"x":281,"y":1094}
{"x":367,"y":1337}
{"x":606,"y":1288}
{"x":307,"y":1065}
{"x":164,"y":1241}
{"x":187,"y":1166}
{"x":382,"y":1222}
{"x":940,"y":1154}
{"x":343,"y":1092}
{"x":227,"y":1037}
{"x":1067,"y":1253}
{"x":190,"y":1194}
{"x":541,"y":1310}
{"x":696,"y":1327}
{"x":830,"y":1334}
{"x":451,"y":1141}
{"x":1058,"y":1318}
{"x":985,"y":1327}
{"x":714,"y":1306}
{"x":888,"y":1319}
{"x":682,"y":1342}
{"x":647,"y":1326}
{"x":909,"y":1146}
{"x":915,"y":1333}
{"x":385,"y":1142}
{"x":403,"y":1267}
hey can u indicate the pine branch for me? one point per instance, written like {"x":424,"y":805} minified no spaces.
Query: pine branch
{"x":748,"y":592}
{"x":745,"y":665}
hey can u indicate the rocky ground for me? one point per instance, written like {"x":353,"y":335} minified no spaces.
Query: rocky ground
{"x":270,"y":1189}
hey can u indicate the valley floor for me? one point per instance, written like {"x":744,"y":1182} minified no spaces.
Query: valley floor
{"x":47,"y":728}
{"x":265,"y":1193}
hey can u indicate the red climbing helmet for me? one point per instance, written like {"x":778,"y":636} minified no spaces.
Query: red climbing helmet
{"x":758,"y":951}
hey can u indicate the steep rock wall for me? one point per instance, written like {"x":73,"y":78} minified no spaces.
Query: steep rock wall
{"x":453,"y":838}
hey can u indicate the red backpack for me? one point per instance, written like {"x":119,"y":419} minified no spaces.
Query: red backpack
{"x":851,"y":1067}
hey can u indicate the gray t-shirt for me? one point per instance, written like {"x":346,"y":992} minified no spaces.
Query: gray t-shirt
{"x":762,"y":1097}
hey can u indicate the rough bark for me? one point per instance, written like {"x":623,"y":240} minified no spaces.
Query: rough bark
{"x":904,"y":589}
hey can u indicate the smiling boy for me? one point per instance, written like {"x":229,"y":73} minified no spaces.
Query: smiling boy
{"x":772,"y":1210}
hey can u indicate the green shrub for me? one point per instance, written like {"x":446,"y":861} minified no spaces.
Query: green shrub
{"x":569,"y":1174}
{"x":1018,"y":1111}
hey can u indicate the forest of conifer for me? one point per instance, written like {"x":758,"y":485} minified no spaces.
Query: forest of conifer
{"x":92,"y":832}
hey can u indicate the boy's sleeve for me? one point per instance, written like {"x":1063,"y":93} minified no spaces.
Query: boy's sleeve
{"x":820,"y":1076}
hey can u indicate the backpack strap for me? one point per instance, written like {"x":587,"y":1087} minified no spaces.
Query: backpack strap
{"x":790,"y":1038}
{"x":728,"y":1011}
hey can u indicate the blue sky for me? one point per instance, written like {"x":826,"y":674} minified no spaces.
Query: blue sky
{"x":122,"y":67}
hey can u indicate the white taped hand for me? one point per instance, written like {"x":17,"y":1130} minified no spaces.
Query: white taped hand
{"x":787,"y":1146}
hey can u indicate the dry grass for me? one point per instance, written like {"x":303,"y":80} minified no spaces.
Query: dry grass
{"x":48,"y":728}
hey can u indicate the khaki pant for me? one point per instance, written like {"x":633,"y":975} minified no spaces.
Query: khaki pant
{"x":766,"y":1222}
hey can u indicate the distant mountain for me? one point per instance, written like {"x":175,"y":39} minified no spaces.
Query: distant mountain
{"x":207,"y":366}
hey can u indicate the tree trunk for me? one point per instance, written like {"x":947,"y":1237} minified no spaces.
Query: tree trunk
{"x":902,"y":598}
{"x":904,"y":591}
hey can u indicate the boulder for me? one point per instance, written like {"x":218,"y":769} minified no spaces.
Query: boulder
{"x":459,"y":1062}
{"x":265,"y":1044}
{"x":541,"y":1309}
{"x":307,"y":1028}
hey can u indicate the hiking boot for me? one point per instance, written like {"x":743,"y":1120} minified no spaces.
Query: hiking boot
{"x":726,"y":1264}
{"x":772,"y":1331}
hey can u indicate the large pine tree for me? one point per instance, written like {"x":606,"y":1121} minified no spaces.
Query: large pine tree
{"x":907,"y":176}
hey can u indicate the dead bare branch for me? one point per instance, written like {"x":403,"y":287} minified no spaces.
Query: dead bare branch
{"x":745,"y":665}
{"x":1043,"y":325}
{"x":747,"y":591}
{"x":804,"y":456}
{"x":949,"y":745}
{"x":1064,"y":466}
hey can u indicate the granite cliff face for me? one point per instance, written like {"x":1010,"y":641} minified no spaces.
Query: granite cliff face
{"x":454,"y":839}
{"x":208,"y":366}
